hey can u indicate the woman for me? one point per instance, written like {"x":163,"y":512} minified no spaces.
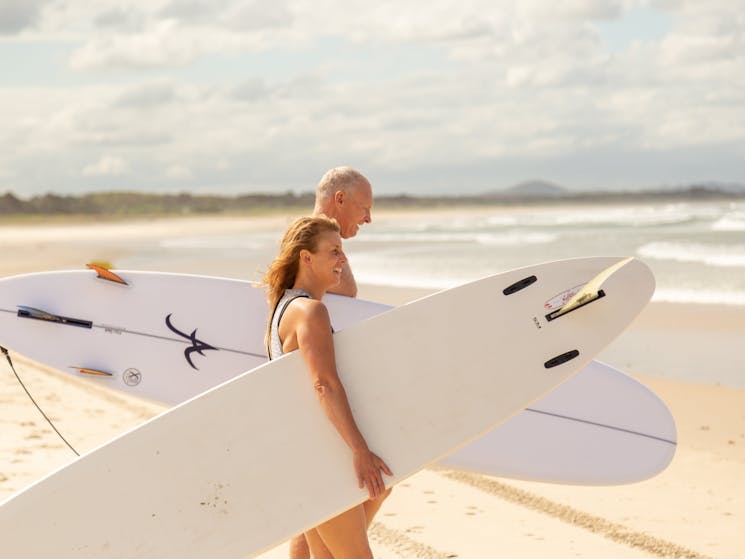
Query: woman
{"x":310,"y":262}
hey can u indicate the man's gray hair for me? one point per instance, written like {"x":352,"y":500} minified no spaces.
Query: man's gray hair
{"x":338,"y":178}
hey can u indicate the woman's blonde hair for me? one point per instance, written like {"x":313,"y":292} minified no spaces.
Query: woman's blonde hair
{"x":301,"y":234}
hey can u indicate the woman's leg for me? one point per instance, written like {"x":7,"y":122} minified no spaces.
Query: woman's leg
{"x":314,"y":542}
{"x":315,"y":546}
{"x":372,"y":506}
{"x":299,"y":548}
{"x":344,"y":536}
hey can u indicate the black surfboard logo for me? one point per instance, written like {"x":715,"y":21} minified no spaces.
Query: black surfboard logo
{"x":196,"y":344}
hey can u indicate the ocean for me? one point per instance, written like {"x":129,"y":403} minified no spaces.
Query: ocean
{"x":695,"y":249}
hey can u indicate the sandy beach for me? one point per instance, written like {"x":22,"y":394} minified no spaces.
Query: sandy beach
{"x":694,"y":509}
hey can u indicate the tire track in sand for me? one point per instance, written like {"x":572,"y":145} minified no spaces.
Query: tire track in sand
{"x":594,"y":524}
{"x":403,"y":545}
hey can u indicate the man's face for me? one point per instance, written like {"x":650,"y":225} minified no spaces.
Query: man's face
{"x":353,"y":208}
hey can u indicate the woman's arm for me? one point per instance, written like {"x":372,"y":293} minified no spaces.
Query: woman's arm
{"x":313,"y":330}
{"x":347,"y":286}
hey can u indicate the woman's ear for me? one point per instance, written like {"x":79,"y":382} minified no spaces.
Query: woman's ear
{"x":305,"y":256}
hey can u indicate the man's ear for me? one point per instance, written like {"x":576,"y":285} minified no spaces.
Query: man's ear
{"x":339,"y":197}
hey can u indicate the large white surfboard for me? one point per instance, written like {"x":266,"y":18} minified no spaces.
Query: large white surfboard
{"x":247,"y":464}
{"x":601,"y":427}
{"x":617,"y":431}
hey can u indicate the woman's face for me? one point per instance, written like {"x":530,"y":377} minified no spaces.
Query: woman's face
{"x":328,"y":259}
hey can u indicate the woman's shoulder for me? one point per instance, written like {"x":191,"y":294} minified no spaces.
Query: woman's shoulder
{"x":306,"y":308}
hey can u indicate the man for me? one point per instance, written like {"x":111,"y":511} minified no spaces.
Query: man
{"x":344,"y":194}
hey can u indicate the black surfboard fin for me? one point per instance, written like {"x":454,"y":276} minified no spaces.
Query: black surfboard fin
{"x":38,"y":314}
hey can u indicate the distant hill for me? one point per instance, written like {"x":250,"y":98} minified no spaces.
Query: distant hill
{"x":537,"y":190}
{"x":712,"y":186}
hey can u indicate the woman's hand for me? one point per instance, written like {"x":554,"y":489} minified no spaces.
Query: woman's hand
{"x":368,"y":466}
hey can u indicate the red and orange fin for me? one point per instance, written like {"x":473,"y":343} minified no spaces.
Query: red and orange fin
{"x":94,"y":372}
{"x":106,"y":274}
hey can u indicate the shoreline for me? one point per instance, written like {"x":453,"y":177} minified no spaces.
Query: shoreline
{"x":260,"y":215}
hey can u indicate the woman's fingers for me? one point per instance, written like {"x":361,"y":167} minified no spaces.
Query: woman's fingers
{"x":375,"y":486}
{"x":369,"y":474}
{"x":374,"y":483}
{"x":383,"y":466}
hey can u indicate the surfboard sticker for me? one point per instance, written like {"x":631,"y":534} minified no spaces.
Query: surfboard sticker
{"x":132,"y":377}
{"x":197,"y":345}
{"x":558,"y":301}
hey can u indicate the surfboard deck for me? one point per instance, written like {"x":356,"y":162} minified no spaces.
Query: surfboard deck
{"x":145,"y":340}
{"x":245,"y":465}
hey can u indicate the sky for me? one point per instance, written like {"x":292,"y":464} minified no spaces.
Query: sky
{"x":436,"y":97}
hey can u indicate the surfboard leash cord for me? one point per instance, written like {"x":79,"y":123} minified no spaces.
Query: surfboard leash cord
{"x":38,"y":407}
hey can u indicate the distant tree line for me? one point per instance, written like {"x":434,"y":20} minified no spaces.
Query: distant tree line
{"x":136,"y":203}
{"x":143,"y":204}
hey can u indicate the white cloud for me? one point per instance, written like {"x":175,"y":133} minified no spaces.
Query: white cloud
{"x":107,"y":166}
{"x":179,"y":172}
{"x":148,"y":95}
{"x":579,"y":10}
{"x":244,"y":15}
{"x":17,"y":15}
{"x":163,"y":44}
{"x":517,"y":84}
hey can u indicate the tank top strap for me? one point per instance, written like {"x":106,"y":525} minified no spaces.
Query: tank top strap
{"x":275,"y":343}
